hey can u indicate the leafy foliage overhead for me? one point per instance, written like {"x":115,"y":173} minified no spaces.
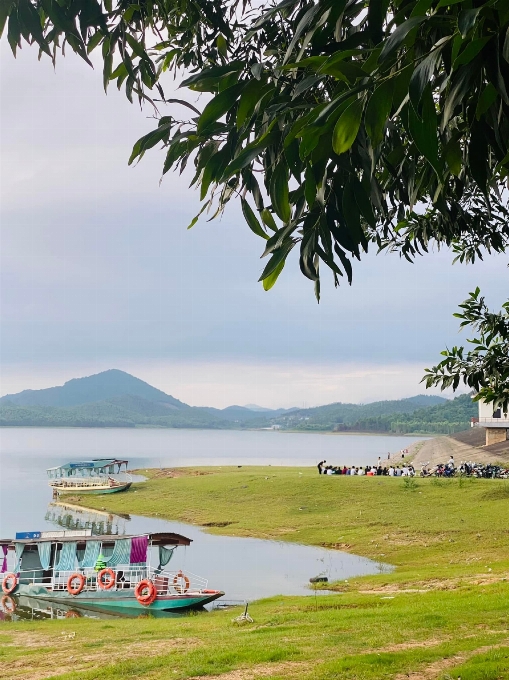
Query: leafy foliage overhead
{"x":484,"y":367}
{"x":338,"y":123}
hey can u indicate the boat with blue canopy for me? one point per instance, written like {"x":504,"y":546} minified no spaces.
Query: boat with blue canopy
{"x":97,"y":476}
{"x":124,"y":574}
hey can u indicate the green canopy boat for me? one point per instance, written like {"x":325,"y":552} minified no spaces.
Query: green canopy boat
{"x":123,"y":574}
{"x":97,"y":476}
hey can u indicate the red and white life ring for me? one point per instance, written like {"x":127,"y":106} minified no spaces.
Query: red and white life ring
{"x":9,"y":583}
{"x":181,"y":583}
{"x":145,"y":592}
{"x":75,"y":588}
{"x":7,"y":604}
{"x":106,"y":585}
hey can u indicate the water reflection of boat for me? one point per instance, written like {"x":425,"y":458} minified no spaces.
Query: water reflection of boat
{"x":76,"y":569}
{"x":22,"y":608}
{"x":73,"y":517}
{"x":98,"y":476}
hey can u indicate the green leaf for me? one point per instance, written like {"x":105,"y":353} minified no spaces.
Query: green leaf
{"x":208,"y":79}
{"x":348,"y":71}
{"x":378,"y":111}
{"x":478,"y":157}
{"x":377,"y":11}
{"x":218,"y":106}
{"x":398,"y":36}
{"x":250,"y":152}
{"x":454,"y":156}
{"x":279,"y":193}
{"x":271,"y":279}
{"x":222,"y":46}
{"x":424,"y":132}
{"x":460,"y":86}
{"x":422,"y":76}
{"x":148,"y":141}
{"x":251,"y":219}
{"x":470,"y":52}
{"x":136,"y":46}
{"x":94,"y":41}
{"x":277,"y":257}
{"x":487,"y":97}
{"x":197,"y":217}
{"x":301,"y":27}
{"x":466,"y":20}
{"x":251,"y":95}
{"x":310,"y":187}
{"x":505,"y":49}
{"x":268,"y":220}
{"x":5,"y":9}
{"x":347,"y":127}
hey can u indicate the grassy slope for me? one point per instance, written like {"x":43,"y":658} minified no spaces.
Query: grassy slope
{"x":449,"y":541}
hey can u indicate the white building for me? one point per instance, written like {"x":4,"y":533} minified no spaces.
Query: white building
{"x":494,"y":420}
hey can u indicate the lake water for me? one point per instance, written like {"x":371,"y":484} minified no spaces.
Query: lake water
{"x":244,"y":568}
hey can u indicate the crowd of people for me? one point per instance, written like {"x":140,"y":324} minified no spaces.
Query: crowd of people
{"x":377,"y":470}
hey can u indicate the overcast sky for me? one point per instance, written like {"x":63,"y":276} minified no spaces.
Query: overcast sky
{"x":98,"y":271}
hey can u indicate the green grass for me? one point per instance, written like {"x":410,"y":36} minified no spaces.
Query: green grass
{"x":427,"y":528}
{"x":444,"y":610}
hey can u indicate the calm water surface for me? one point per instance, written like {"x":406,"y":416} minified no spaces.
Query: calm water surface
{"x":244,"y":568}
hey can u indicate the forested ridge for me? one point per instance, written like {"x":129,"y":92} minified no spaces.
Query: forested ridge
{"x":117,"y":399}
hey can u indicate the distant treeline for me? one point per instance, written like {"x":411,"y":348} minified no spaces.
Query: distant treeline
{"x":446,"y":417}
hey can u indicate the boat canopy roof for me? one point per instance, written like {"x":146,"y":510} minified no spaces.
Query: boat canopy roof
{"x":155,"y":539}
{"x":94,"y":464}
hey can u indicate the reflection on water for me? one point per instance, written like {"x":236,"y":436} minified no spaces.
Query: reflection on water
{"x":22,"y":608}
{"x":70,"y":517}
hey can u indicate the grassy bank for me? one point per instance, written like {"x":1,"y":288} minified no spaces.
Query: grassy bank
{"x":428,"y":528}
{"x":443,"y":613}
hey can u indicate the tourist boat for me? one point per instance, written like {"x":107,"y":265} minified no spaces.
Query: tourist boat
{"x":101,"y":573}
{"x":97,"y":476}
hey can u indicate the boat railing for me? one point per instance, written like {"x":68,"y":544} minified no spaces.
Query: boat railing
{"x":126,"y":577}
{"x":96,"y":481}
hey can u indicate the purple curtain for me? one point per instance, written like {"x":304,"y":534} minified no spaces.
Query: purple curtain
{"x":139,"y":547}
{"x":5,"y":549}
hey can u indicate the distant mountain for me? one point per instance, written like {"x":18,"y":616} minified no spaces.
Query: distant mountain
{"x":255,"y":407}
{"x":404,"y":416}
{"x":99,"y":387}
{"x":117,"y":399}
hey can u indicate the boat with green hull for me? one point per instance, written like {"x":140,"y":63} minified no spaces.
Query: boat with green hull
{"x":90,"y":477}
{"x":115,"y":574}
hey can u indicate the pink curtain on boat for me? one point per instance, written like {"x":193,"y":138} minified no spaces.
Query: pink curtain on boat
{"x":5,"y":549}
{"x":139,"y":547}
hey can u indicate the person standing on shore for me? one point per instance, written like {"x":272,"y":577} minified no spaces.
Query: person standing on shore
{"x":320,"y":466}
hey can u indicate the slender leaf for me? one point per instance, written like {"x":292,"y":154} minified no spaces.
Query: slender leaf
{"x":347,"y":127}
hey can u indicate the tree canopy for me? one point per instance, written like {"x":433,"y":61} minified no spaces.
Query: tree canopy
{"x":485,"y":366}
{"x":339,"y":124}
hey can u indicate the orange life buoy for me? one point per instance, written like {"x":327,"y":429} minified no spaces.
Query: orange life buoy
{"x":78,"y":587}
{"x":181,"y":583}
{"x":106,"y":585}
{"x":71,"y":614}
{"x":5,"y":583}
{"x":145,"y":592}
{"x":7,"y":604}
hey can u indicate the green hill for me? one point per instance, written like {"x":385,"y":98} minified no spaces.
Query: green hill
{"x":116,"y":399}
{"x":93,"y":388}
{"x":344,"y":417}
{"x":442,"y":416}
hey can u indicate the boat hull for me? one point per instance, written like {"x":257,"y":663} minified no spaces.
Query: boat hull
{"x":120,"y":600}
{"x":80,"y":491}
